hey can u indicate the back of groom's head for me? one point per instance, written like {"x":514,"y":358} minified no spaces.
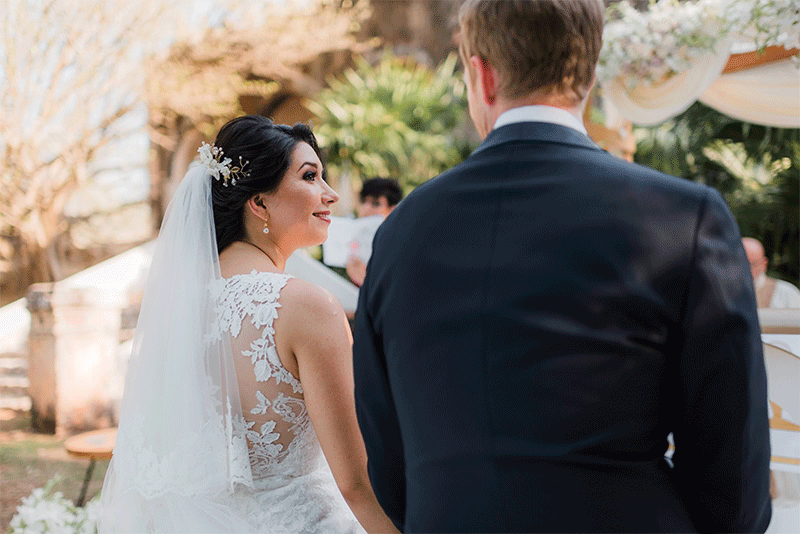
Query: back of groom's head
{"x":537,"y":46}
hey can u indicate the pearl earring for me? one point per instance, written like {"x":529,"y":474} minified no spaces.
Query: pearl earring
{"x":266,"y":230}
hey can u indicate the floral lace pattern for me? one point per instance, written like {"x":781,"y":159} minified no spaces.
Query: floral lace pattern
{"x":253,"y":468}
{"x":154,"y":474}
{"x":255,"y":295}
{"x":181,"y":468}
{"x":293,"y":489}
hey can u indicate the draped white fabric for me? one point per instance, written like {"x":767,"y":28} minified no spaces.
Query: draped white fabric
{"x":649,"y":105}
{"x":302,"y":265}
{"x":768,"y":94}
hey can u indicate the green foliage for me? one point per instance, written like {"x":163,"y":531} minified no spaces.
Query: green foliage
{"x":771,"y":213}
{"x":395,"y":119}
{"x":756,"y":168}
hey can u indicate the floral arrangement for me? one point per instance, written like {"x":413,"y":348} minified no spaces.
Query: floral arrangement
{"x":47,"y":511}
{"x":650,"y":47}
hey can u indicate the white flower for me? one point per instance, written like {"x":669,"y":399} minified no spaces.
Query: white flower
{"x":48,"y":511}
{"x":220,"y":168}
{"x":648,"y":47}
{"x":261,"y":369}
{"x":92,"y":510}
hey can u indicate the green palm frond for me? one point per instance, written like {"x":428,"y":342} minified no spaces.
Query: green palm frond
{"x":394,"y":119}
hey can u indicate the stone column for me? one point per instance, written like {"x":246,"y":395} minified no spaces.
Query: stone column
{"x":73,"y":343}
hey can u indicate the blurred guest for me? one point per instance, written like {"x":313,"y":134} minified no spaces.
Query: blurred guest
{"x":379,"y":196}
{"x":377,"y":199}
{"x":770,"y":292}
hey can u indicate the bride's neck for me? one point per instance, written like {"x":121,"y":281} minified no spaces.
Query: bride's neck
{"x":271,"y":250}
{"x":268,"y":250}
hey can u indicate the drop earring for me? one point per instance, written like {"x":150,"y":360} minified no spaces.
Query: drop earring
{"x":266,"y":220}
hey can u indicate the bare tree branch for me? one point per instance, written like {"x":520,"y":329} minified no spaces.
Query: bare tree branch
{"x":70,"y":72}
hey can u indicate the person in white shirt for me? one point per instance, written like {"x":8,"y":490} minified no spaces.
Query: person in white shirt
{"x":770,"y":292}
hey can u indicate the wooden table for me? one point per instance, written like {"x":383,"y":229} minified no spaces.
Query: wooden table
{"x":95,"y":445}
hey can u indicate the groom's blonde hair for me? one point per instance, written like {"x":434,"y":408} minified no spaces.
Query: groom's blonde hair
{"x":537,"y":46}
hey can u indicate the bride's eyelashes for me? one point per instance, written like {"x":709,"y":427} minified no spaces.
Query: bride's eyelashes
{"x":312,"y":175}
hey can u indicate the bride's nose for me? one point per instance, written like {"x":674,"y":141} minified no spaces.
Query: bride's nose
{"x":329,"y":196}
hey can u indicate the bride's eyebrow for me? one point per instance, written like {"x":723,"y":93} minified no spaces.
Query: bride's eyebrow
{"x":307,"y":163}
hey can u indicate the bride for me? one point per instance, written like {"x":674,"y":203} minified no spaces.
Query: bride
{"x":238,"y":413}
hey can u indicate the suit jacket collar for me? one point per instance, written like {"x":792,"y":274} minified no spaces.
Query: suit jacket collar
{"x":536,"y":131}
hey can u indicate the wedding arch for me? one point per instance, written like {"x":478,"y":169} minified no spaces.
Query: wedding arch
{"x":739,"y":57}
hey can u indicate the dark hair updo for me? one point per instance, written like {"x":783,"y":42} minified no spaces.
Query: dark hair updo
{"x":267,"y":148}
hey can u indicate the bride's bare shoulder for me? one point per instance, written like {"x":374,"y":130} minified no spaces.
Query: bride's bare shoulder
{"x":305,"y":299}
{"x":313,"y":324}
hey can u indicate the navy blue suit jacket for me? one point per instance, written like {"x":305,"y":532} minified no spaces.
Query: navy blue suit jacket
{"x":533,"y":325}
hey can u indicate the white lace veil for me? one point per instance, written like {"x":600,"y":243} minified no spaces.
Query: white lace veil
{"x":176,"y":455}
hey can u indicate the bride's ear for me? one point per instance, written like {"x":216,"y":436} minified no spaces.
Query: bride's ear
{"x":256,"y":206}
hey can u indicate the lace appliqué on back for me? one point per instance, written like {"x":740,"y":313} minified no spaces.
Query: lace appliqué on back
{"x":278,"y":481}
{"x":254,"y":297}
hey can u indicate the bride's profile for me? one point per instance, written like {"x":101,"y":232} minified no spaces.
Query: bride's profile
{"x":238,"y":413}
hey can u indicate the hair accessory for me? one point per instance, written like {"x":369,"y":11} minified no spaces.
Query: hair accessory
{"x":220,"y":168}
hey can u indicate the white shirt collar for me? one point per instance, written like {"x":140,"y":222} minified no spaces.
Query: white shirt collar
{"x":540,"y":114}
{"x":760,"y":281}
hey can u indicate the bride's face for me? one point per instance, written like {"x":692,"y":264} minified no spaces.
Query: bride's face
{"x":299,"y":210}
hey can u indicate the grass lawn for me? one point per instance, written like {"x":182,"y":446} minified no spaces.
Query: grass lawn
{"x":28,"y":460}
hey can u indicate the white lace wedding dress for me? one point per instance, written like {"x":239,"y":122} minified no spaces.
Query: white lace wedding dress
{"x":214,"y":436}
{"x":293,"y":490}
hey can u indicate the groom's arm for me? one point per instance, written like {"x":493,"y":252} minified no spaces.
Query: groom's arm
{"x":721,"y":433}
{"x":377,"y":416}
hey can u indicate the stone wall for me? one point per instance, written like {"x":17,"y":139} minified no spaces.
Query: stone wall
{"x":73,"y":364}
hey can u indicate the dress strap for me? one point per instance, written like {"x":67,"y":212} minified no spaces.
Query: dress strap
{"x":254,"y":297}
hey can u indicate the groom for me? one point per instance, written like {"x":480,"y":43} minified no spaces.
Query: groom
{"x":536,"y":321}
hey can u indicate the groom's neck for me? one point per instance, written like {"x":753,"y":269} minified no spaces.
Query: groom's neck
{"x":553,"y":99}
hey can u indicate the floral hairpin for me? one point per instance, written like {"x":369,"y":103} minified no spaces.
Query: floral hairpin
{"x":220,"y":168}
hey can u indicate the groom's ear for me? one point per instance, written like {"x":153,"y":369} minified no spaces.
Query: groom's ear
{"x":486,"y":78}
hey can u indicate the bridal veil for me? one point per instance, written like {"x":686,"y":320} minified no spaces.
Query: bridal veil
{"x":177,"y":455}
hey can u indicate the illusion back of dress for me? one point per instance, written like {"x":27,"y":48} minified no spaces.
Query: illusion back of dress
{"x":294,"y":490}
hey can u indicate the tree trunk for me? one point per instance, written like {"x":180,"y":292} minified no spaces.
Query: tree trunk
{"x":159,"y":168}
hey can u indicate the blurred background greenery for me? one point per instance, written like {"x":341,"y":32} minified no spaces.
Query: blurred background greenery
{"x":397,"y":119}
{"x":756,"y":168}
